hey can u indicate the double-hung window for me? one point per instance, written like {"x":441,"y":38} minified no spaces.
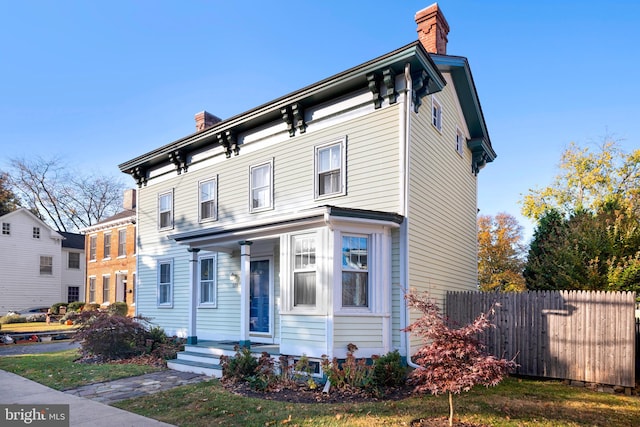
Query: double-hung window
{"x":74,"y":261}
{"x":105,"y":288}
{"x":261,"y":178}
{"x":36,"y":232}
{"x":165,"y":283}
{"x":304,"y":271}
{"x":122,"y":243}
{"x":106,"y":246}
{"x":93,"y":243}
{"x":6,"y":228}
{"x":165,"y":210}
{"x":46,"y":265}
{"x":330,"y":178}
{"x":207,"y":281}
{"x":436,"y":113}
{"x":355,"y":271}
{"x":460,"y":142}
{"x":92,"y":289}
{"x":207,"y":200}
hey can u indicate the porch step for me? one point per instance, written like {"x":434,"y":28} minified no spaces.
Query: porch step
{"x":194,"y":367}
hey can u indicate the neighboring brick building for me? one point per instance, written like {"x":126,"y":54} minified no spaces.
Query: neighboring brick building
{"x":111,"y":257}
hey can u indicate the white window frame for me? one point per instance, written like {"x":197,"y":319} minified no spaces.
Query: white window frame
{"x":69,"y":260}
{"x":36,"y":232}
{"x":6,"y":229}
{"x":92,"y":289}
{"x":169,"y":284}
{"x":355,"y":270}
{"x":50,"y":265}
{"x":122,"y":243}
{"x":214,"y":282}
{"x":214,"y":182}
{"x":461,"y":141}
{"x":93,"y":247}
{"x":342,"y":144}
{"x":106,"y":278}
{"x":436,"y":113}
{"x":106,"y":249}
{"x":268,"y":187}
{"x":168,"y":194}
{"x":311,"y":268}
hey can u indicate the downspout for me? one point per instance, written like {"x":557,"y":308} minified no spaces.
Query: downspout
{"x":405,"y":136}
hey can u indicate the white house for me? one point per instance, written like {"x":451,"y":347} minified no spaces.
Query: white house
{"x":298,"y":225}
{"x":38,"y":265}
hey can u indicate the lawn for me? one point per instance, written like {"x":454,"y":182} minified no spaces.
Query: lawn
{"x":515,"y":402}
{"x":59,"y":371}
{"x":25,"y":328}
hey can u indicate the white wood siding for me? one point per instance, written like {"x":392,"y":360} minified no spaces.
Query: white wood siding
{"x":304,"y":335}
{"x":366,"y":332}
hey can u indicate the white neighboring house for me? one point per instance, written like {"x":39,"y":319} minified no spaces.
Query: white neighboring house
{"x":73,"y":267}
{"x":34,"y":263}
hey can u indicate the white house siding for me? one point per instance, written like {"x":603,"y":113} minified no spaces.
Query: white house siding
{"x":21,"y":284}
{"x":71,"y":276}
{"x":442,"y":204}
{"x":372,"y":183}
{"x":397,"y":293}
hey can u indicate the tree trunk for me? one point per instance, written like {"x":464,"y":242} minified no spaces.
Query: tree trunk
{"x":450,"y":409}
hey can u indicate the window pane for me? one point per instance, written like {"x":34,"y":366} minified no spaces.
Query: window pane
{"x":207,"y":209}
{"x":165,"y":273}
{"x":329,"y":182}
{"x":206,"y":191}
{"x":354,"y":289}
{"x":355,"y":277}
{"x":163,"y":291}
{"x":304,"y":288}
{"x":165,"y":219}
{"x":165,"y":202}
{"x":74,"y":260}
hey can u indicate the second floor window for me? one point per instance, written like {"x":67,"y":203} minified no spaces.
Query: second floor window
{"x":74,"y":261}
{"x":36,"y":232}
{"x":207,"y":200}
{"x":261,"y":189}
{"x":436,"y":114}
{"x":330,"y":169}
{"x":93,"y":243}
{"x":6,"y":228}
{"x":460,"y":142}
{"x":122,"y":242}
{"x":165,"y":210}
{"x":46,"y":265}
{"x":107,"y":245}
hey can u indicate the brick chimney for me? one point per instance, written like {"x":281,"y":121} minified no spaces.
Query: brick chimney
{"x":205,"y":120}
{"x":129,"y":199}
{"x":432,"y":29}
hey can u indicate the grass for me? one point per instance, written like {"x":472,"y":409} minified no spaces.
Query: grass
{"x":25,"y":328}
{"x":515,"y":402}
{"x":59,"y":371}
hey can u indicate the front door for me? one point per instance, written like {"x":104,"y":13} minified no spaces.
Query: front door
{"x":260,"y":301}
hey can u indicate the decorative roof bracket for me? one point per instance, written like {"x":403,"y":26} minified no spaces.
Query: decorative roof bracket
{"x":298,"y":117}
{"x":420,"y":88}
{"x":140,"y":175}
{"x":480,"y":155}
{"x":179,"y":159}
{"x":389,"y":79}
{"x":287,"y":117}
{"x":374,"y":87}
{"x":227,"y":140}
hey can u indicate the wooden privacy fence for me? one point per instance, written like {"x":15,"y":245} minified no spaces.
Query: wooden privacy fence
{"x":578,"y":335}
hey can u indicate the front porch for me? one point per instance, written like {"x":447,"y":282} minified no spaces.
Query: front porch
{"x":204,"y":357}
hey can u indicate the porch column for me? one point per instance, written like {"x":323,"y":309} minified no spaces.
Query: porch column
{"x":193,"y":295}
{"x":245,"y":273}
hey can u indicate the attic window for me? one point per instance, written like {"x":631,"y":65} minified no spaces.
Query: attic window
{"x":36,"y":232}
{"x":6,"y":228}
{"x":436,"y":114}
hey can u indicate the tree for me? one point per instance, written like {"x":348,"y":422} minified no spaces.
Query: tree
{"x":67,"y":200}
{"x":588,"y":180}
{"x":500,"y":253}
{"x":451,"y":360}
{"x":8,"y":199}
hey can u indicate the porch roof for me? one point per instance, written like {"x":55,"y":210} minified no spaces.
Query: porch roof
{"x":225,"y":238}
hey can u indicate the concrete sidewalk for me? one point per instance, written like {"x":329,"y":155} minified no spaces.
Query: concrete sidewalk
{"x":15,"y":389}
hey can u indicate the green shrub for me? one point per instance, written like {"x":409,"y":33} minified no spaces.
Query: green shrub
{"x":157,"y":334}
{"x":351,"y":372}
{"x":110,"y":336}
{"x":239,"y":367}
{"x":389,"y":370}
{"x":75,"y":306}
{"x":119,"y":307}
{"x":12,"y":318}
{"x":55,"y":308}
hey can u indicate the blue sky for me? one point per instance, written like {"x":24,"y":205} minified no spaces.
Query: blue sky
{"x":99,"y":83}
